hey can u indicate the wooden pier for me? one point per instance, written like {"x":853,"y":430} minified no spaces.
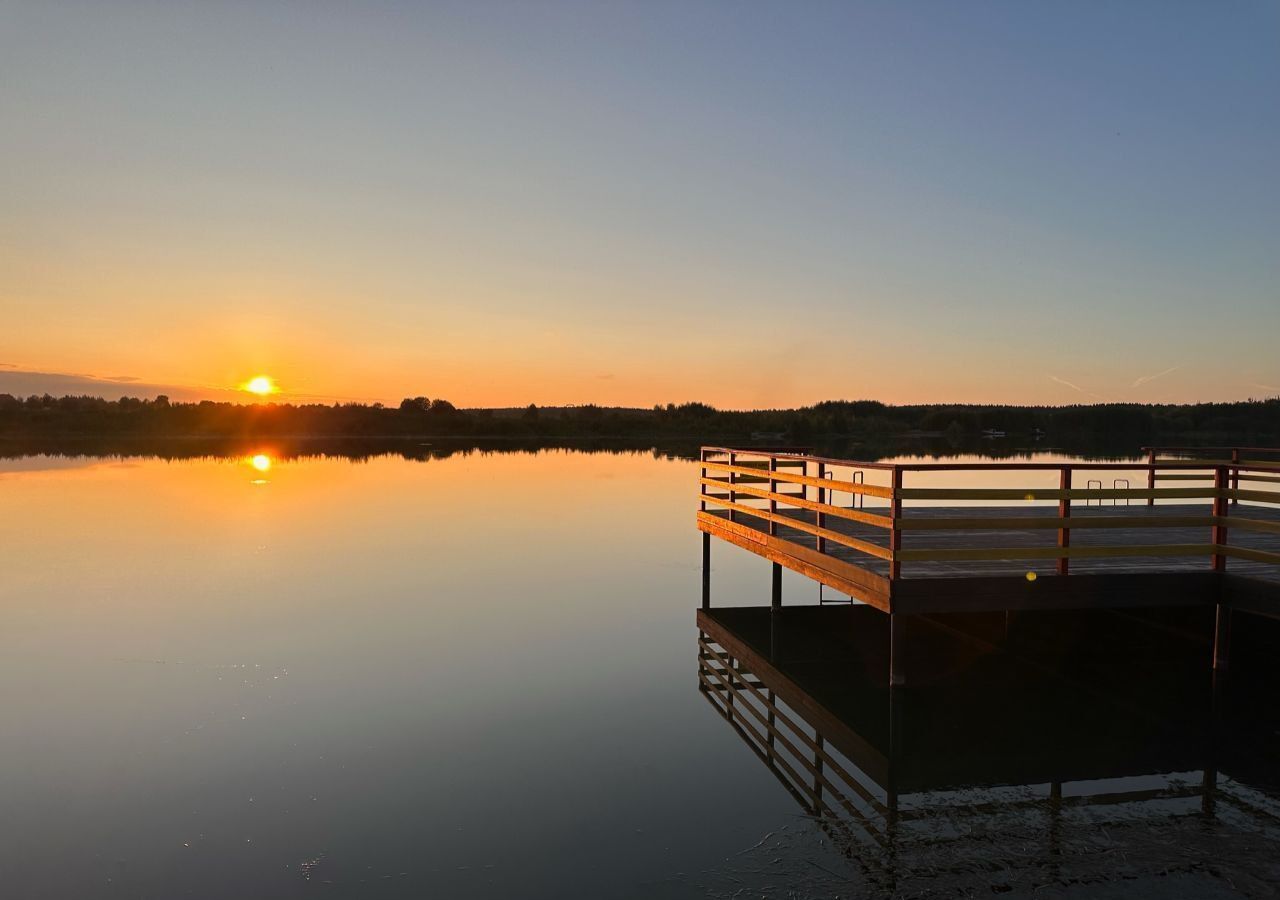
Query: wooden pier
{"x":923,"y":538}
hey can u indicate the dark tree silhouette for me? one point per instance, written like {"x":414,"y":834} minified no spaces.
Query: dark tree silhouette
{"x":866,"y":424}
{"x":415,"y":405}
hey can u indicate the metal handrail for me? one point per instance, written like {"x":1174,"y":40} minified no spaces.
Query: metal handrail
{"x":1115,"y":501}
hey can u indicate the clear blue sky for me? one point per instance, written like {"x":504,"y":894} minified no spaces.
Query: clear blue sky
{"x":743,"y":203}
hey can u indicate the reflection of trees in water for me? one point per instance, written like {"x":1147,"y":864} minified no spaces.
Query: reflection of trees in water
{"x":354,"y":449}
{"x":422,"y":450}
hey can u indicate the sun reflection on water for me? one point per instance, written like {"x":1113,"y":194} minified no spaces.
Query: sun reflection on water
{"x":259,"y":462}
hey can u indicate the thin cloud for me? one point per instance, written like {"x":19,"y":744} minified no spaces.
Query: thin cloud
{"x":1146,"y":378}
{"x":1266,"y":387}
{"x":24,"y":383}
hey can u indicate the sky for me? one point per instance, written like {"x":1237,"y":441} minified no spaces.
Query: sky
{"x":749,"y":204}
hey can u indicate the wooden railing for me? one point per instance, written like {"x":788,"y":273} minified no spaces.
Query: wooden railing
{"x":1233,"y":457}
{"x":805,"y":493}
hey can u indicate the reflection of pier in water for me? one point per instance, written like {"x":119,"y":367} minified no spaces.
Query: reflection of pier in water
{"x":1021,"y":731}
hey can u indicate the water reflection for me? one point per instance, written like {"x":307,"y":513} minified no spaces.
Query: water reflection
{"x":471,"y":678}
{"x":1036,"y":752}
{"x":18,"y":452}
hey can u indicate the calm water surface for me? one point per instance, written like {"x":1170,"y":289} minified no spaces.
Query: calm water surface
{"x":465,"y":677}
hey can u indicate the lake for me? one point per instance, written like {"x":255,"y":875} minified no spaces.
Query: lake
{"x":467,"y":676}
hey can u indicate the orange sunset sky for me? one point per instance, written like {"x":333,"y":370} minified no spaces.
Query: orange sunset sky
{"x":625,"y":205}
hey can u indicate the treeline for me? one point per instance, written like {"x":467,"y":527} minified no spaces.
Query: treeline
{"x":863,"y":421}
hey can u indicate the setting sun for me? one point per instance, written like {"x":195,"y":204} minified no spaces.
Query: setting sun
{"x":261,"y":462}
{"x":260,"y":385}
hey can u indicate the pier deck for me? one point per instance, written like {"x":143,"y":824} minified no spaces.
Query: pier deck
{"x":927,"y":538}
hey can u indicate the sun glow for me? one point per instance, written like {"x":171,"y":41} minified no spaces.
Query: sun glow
{"x":261,"y":462}
{"x":261,"y":385}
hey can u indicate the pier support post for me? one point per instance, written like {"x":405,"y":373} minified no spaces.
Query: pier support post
{"x":1221,"y":639}
{"x":1055,"y":823}
{"x":895,"y":755}
{"x":773,"y":643}
{"x":1064,"y":513}
{"x":1209,"y":784}
{"x":775,"y":602}
{"x":897,"y":650}
{"x":706,"y":570}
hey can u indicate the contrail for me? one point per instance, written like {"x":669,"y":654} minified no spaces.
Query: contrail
{"x":1145,"y":378}
{"x":1076,"y":387}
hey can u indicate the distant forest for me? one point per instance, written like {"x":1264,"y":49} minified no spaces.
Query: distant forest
{"x":47,"y":420}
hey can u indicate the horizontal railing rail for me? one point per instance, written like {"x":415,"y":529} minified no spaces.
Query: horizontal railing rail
{"x":789,"y":496}
{"x":1234,"y":460}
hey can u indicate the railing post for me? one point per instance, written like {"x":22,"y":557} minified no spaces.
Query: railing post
{"x":895,"y":513}
{"x":733,"y":495}
{"x":1064,"y":512}
{"x":773,"y":489}
{"x":706,"y":536}
{"x":1220,"y":516}
{"x":1235,"y":474}
{"x":1151,"y":474}
{"x":821,"y":517}
{"x":702,"y":488}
